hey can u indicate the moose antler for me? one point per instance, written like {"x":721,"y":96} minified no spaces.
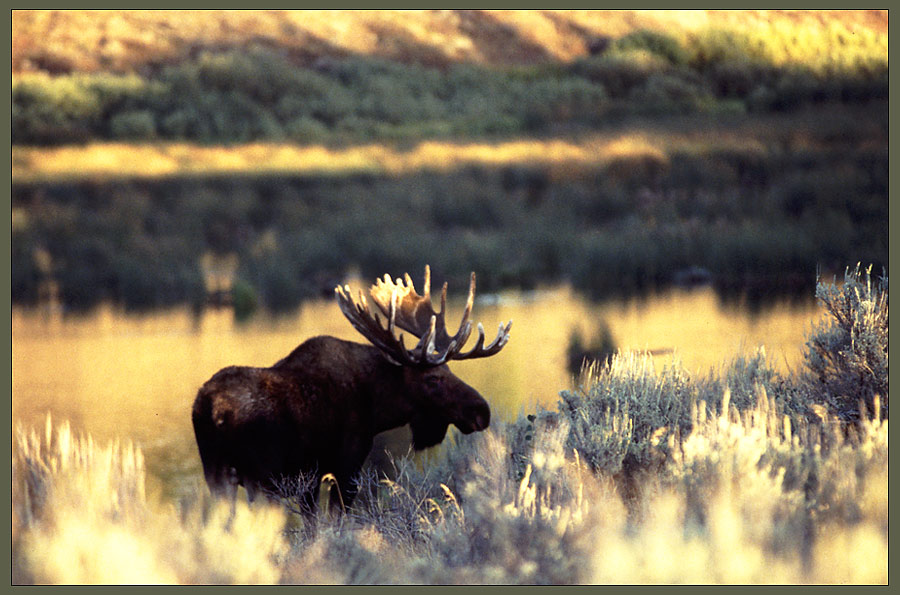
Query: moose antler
{"x":414,"y":313}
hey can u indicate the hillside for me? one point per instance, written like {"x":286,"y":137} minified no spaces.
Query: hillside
{"x":609,"y":150}
{"x":130,"y":41}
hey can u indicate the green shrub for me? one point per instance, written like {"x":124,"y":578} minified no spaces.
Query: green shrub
{"x":620,"y":72}
{"x":552,"y":101}
{"x":759,"y":218}
{"x":624,"y":408}
{"x":738,"y":78}
{"x":710,"y":47}
{"x":847,"y":354}
{"x":245,"y":300}
{"x":183,"y":123}
{"x":599,"y":348}
{"x":761,"y":98}
{"x":133,"y":125}
{"x":671,"y":94}
{"x":743,"y":378}
{"x":656,"y":42}
{"x":306,"y":129}
{"x":75,"y":107}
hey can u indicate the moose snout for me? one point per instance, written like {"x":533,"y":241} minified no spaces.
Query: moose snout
{"x":478,"y":419}
{"x":482,"y":420}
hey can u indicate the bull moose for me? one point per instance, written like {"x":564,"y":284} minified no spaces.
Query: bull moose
{"x":317,"y":410}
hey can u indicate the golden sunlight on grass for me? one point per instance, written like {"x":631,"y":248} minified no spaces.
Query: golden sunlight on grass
{"x":81,"y":516}
{"x":117,"y":40}
{"x":113,"y":160}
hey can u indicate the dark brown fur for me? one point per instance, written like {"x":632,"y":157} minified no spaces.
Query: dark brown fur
{"x":317,"y":411}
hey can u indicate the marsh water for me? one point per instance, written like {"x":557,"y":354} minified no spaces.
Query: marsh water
{"x":134,"y":377}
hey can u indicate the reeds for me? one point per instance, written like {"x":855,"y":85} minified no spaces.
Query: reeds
{"x":81,"y":515}
{"x":745,"y":497}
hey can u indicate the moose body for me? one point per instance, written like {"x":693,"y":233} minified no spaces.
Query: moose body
{"x":318,"y":410}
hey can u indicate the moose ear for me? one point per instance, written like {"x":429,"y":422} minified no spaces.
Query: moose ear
{"x":427,"y":430}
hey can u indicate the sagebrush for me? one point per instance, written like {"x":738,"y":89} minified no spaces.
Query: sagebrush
{"x":638,"y":476}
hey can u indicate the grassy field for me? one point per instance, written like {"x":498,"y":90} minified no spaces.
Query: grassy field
{"x":638,"y":476}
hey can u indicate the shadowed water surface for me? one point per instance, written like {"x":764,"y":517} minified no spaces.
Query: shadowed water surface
{"x":135,"y":377}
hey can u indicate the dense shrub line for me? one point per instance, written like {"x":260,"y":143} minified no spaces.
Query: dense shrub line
{"x":237,"y":96}
{"x":757,"y":225}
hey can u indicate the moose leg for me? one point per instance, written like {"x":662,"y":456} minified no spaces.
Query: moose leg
{"x":218,"y":465}
{"x":349,"y":465}
{"x":222,"y":482}
{"x":250,"y":487}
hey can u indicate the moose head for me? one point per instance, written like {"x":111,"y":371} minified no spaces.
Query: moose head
{"x":317,"y":410}
{"x":442,"y":398}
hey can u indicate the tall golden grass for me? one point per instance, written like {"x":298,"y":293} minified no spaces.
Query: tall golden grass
{"x":101,"y":160}
{"x":81,"y":514}
{"x":179,"y":159}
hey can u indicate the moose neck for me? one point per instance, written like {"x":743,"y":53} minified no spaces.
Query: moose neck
{"x":386,"y":383}
{"x":380,"y":390}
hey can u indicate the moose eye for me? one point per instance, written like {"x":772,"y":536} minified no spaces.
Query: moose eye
{"x":434,"y":381}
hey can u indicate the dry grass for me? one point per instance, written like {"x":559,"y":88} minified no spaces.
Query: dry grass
{"x":562,"y":156}
{"x":125,"y":40}
{"x":727,"y":509}
{"x":107,"y":160}
{"x":81,"y":516}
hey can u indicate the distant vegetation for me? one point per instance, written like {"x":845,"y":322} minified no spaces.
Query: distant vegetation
{"x":597,"y":348}
{"x":802,"y":187}
{"x":758,"y":220}
{"x":638,"y":476}
{"x":258,"y":93}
